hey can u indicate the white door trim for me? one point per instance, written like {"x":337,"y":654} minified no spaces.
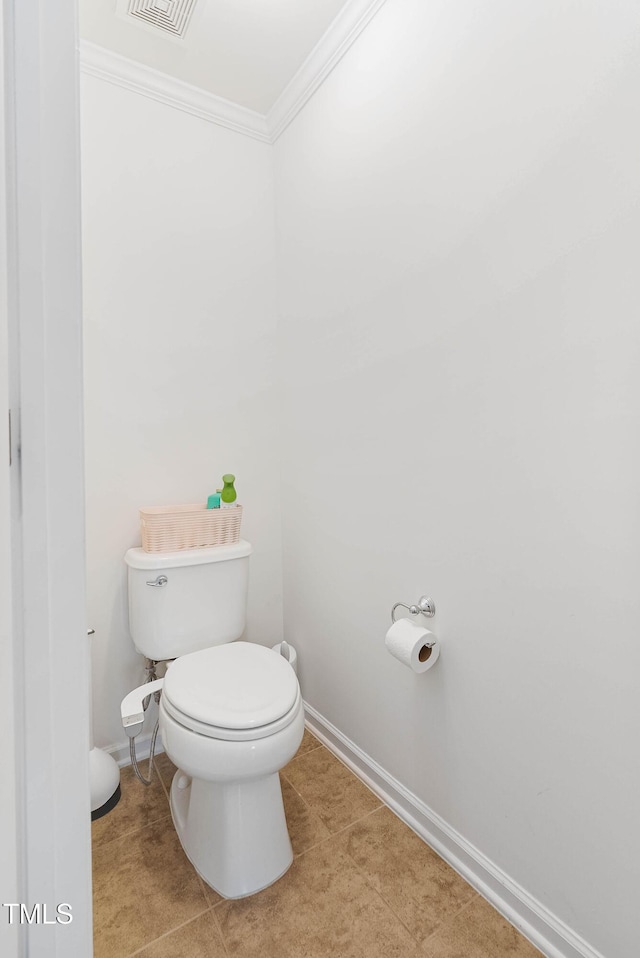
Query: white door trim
{"x":48,"y":639}
{"x":9,"y":878}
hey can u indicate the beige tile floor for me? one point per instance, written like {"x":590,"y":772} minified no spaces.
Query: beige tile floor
{"x":362,"y":884}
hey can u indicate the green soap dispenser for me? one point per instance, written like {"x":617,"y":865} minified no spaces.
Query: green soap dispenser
{"x":228,"y":495}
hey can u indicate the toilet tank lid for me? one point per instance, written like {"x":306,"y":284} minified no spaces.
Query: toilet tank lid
{"x":139,"y":559}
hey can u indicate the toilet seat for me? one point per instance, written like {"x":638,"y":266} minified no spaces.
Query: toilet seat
{"x":232,"y":734}
{"x":235,"y":692}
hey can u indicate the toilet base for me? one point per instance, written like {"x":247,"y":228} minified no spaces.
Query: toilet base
{"x":234,"y":834}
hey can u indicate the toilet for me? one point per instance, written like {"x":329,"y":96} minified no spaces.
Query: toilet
{"x":231,"y":713}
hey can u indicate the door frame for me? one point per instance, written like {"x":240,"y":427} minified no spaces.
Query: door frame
{"x":42,"y":492}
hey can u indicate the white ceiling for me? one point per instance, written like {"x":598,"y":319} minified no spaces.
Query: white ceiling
{"x":245,"y":51}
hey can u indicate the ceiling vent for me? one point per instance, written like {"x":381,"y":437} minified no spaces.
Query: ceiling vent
{"x":172,"y":17}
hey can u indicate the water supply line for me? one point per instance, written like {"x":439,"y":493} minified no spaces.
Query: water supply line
{"x":133,"y":729}
{"x":151,"y":676}
{"x":134,"y":760}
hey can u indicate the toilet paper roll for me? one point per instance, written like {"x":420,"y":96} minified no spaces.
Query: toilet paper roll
{"x":409,"y":644}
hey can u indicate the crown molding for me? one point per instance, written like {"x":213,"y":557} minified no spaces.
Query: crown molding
{"x":98,"y":62}
{"x":330,"y":49}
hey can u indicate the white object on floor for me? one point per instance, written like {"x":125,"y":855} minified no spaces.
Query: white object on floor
{"x":104,"y":778}
{"x":104,"y":772}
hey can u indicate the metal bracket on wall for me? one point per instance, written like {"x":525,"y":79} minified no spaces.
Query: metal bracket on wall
{"x":425,"y":606}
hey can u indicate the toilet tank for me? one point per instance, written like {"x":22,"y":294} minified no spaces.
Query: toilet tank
{"x":202,"y":602}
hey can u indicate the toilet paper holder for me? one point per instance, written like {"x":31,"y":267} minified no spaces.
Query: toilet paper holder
{"x":425,"y":606}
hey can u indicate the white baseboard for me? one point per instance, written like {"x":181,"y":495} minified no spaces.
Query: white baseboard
{"x":543,"y":929}
{"x":143,"y":746}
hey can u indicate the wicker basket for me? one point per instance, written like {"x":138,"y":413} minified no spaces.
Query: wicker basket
{"x":172,"y":528}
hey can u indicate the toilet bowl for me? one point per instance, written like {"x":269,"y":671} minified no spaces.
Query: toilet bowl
{"x":230,"y":718}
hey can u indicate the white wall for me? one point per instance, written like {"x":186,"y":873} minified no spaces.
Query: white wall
{"x":457,"y":223}
{"x":179,"y":350}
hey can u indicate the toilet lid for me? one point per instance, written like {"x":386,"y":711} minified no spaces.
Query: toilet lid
{"x":235,"y":686}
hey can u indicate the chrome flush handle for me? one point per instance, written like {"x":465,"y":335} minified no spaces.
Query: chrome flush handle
{"x":159,"y":582}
